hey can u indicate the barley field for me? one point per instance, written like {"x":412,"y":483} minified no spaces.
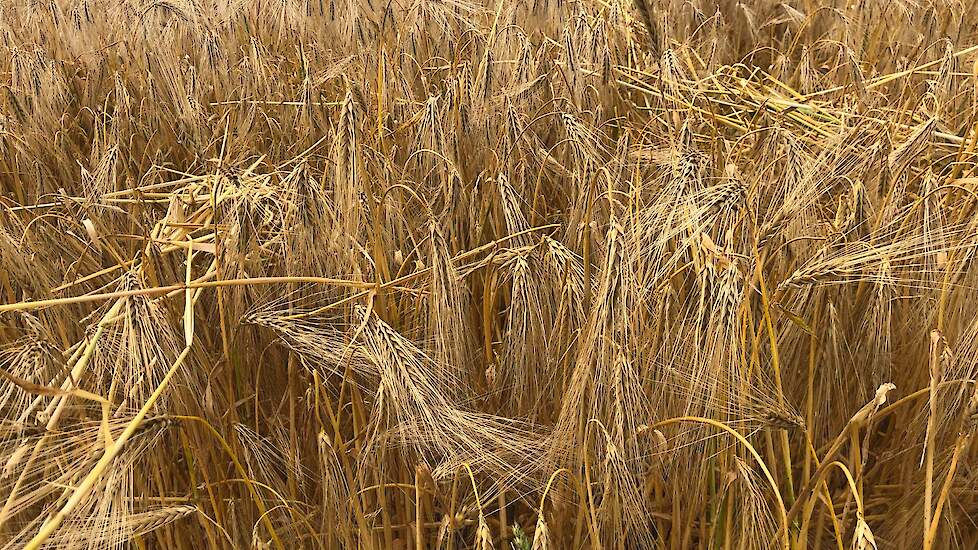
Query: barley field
{"x":488,"y":274}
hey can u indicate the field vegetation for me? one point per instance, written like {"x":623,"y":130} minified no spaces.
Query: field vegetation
{"x":510,"y":274}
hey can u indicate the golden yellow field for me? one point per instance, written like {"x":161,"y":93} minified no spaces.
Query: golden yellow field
{"x":509,"y":274}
